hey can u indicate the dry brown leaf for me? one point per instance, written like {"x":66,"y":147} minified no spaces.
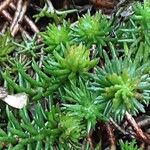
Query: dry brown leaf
{"x":108,"y":4}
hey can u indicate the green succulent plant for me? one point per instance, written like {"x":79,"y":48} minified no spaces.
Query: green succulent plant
{"x":70,"y":127}
{"x":142,"y":20}
{"x":141,"y":16}
{"x":129,"y":145}
{"x":92,"y":30}
{"x":74,"y":62}
{"x":123,"y":86}
{"x":6,"y":46}
{"x":46,"y":130}
{"x":38,"y":86}
{"x":29,"y":47}
{"x":55,"y":36}
{"x":135,"y":32}
{"x":84,"y":104}
{"x":68,"y":95}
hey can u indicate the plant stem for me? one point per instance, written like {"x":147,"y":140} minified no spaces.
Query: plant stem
{"x":4,"y":4}
{"x":139,"y":133}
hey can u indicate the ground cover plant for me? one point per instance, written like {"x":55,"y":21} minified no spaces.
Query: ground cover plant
{"x":74,"y":75}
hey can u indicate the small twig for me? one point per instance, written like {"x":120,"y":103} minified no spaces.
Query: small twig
{"x":17,"y":13}
{"x":139,"y":133}
{"x":111,"y":137}
{"x":7,"y":16}
{"x":73,"y":3}
{"x":4,"y":27}
{"x":33,"y":27}
{"x":144,"y":122}
{"x":41,"y":58}
{"x":148,"y":131}
{"x":9,"y":19}
{"x":20,"y":17}
{"x":118,"y":127}
{"x":50,"y":6}
{"x":90,"y":139}
{"x":142,"y":146}
{"x":148,"y":147}
{"x":83,"y":144}
{"x":4,"y":4}
{"x":35,"y":7}
{"x":66,"y":4}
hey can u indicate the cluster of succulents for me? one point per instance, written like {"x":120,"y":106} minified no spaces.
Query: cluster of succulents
{"x":69,"y":89}
{"x":90,"y":30}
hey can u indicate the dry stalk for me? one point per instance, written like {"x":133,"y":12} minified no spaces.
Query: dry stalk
{"x":17,"y":13}
{"x":89,"y":139}
{"x":118,"y":127}
{"x":4,"y":4}
{"x":144,"y":122}
{"x":9,"y":19}
{"x":4,"y":27}
{"x":20,"y":15}
{"x":139,"y":133}
{"x":111,"y":137}
{"x":32,"y":25}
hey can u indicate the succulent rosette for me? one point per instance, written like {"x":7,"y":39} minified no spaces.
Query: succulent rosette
{"x":92,"y":30}
{"x":84,"y":104}
{"x":75,"y":62}
{"x":55,"y":36}
{"x":124,"y":86}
